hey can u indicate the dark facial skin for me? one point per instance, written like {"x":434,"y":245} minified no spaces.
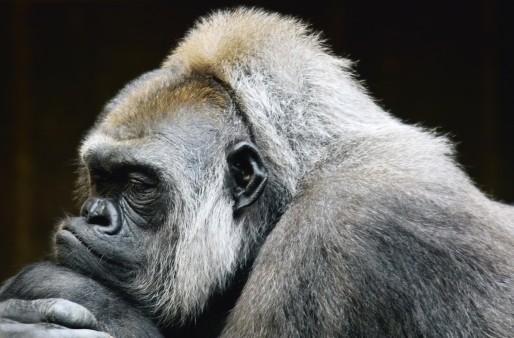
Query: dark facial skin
{"x":128,"y":201}
{"x":115,"y":223}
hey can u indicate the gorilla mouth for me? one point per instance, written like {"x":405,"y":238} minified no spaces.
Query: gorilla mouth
{"x":65,"y":235}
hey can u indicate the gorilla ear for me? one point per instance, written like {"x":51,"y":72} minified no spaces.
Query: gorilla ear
{"x":248,"y":174}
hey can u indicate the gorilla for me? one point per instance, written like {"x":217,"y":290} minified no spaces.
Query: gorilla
{"x":250,"y":187}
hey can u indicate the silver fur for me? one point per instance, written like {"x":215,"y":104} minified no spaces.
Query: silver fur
{"x":340,"y":169}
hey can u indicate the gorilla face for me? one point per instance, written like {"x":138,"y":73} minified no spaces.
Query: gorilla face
{"x":168,"y":172}
{"x":126,"y":206}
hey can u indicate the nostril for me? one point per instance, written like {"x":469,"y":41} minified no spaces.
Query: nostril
{"x":96,"y":212}
{"x":98,"y":220}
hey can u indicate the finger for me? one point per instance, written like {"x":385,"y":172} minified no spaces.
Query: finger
{"x":66,"y":313}
{"x":43,"y":330}
{"x":20,"y":311}
{"x":59,"y":311}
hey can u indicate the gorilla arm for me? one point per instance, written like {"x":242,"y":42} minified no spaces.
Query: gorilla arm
{"x":45,"y":293}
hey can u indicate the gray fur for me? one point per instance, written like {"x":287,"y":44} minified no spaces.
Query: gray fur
{"x":382,"y":234}
{"x":367,"y":227}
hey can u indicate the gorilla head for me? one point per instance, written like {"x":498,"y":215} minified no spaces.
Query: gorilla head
{"x":175,"y":171}
{"x":254,"y":149}
{"x":171,"y":173}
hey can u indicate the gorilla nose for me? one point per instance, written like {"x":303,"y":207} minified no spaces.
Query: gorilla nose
{"x":99,"y":211}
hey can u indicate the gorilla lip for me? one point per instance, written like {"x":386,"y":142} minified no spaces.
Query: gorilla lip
{"x":66,"y":234}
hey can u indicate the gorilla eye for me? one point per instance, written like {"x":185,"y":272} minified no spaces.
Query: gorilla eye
{"x":140,"y":181}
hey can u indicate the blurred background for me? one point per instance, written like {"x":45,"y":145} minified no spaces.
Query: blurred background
{"x":443,"y":64}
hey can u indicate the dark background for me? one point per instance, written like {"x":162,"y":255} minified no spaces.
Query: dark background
{"x":444,"y":64}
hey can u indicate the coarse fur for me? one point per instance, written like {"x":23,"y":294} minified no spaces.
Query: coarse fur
{"x":362,"y":226}
{"x":382,"y":234}
{"x":272,"y":66}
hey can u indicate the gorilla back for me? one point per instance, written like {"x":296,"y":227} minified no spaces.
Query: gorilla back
{"x":254,"y":149}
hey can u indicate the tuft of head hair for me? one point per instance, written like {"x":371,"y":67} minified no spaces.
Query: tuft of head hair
{"x":296,"y":95}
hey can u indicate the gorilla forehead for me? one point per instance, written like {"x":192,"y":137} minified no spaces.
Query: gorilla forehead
{"x":157,"y":98}
{"x":157,"y":120}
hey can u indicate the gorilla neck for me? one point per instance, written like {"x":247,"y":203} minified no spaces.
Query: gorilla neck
{"x":212,"y":321}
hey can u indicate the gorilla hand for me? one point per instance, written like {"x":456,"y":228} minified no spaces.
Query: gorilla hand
{"x":50,"y":300}
{"x":47,"y":318}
